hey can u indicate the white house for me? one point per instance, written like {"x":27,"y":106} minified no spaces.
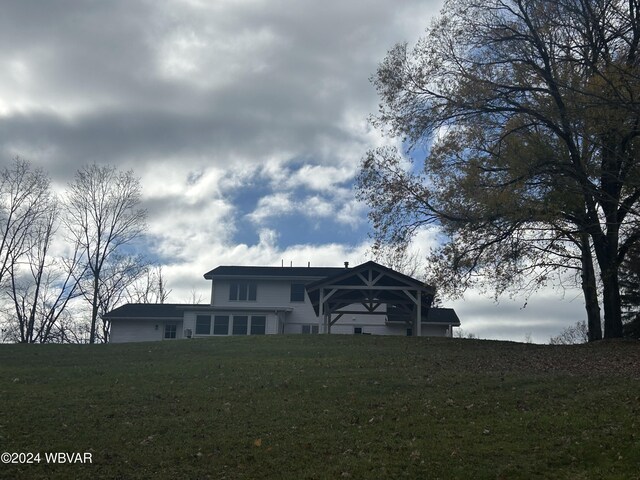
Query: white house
{"x":246,"y":300}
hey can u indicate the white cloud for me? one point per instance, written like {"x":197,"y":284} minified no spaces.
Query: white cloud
{"x":352,"y":212}
{"x":272,"y":206}
{"x":340,"y":207}
{"x":317,"y":207}
{"x":322,"y":178}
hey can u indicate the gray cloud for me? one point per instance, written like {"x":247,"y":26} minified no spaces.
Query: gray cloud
{"x":132,"y":81}
{"x":543,"y":315}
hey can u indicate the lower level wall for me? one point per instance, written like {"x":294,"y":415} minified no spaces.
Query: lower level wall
{"x":369,"y":329}
{"x":150,"y":330}
{"x":142,"y":330}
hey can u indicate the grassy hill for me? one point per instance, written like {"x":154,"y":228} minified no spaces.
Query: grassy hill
{"x":323,"y":407}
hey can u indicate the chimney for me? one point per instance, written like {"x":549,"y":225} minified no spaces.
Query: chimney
{"x":346,"y":264}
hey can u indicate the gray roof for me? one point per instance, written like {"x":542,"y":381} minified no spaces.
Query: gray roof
{"x":256,"y":272}
{"x":392,"y":278}
{"x":149,"y":310}
{"x":443,"y":315}
{"x":174,"y":311}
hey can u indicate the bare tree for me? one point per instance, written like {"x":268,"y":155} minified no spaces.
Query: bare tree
{"x":67,"y":329}
{"x":460,"y":333}
{"x":195,"y":297}
{"x":151,"y":287}
{"x":572,"y":335}
{"x":103,"y":216}
{"x":22,"y":191}
{"x":41,"y":284}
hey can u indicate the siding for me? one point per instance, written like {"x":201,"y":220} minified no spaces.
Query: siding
{"x":128,"y":330}
{"x":269,"y":295}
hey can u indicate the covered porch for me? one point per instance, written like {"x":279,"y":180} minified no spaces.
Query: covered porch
{"x":371,"y":289}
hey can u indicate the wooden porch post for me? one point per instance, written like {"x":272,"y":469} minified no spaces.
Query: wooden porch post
{"x":321,"y":312}
{"x":419,"y":314}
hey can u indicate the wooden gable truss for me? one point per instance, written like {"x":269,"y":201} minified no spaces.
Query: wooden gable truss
{"x":370,"y":285}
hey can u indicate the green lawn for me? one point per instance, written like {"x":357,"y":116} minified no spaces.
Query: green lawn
{"x":318,"y":406}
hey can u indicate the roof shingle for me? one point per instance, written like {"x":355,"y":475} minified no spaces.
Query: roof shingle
{"x":253,"y":271}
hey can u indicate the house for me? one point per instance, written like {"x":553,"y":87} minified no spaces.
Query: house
{"x":249,"y":300}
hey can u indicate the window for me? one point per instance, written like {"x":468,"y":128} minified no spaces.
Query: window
{"x":203,"y":325}
{"x":240,"y":325}
{"x":221,"y":325}
{"x":170,"y":330}
{"x":258,"y":325}
{"x":357,"y":330}
{"x":297,"y":292}
{"x":310,"y":329}
{"x":243,"y":291}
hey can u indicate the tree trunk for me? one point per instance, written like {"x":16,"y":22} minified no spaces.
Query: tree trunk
{"x":611,"y":304}
{"x":94,"y":307}
{"x":605,"y":245}
{"x":590,"y":291}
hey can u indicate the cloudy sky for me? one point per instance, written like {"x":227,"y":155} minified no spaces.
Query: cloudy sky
{"x":245,"y":120}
